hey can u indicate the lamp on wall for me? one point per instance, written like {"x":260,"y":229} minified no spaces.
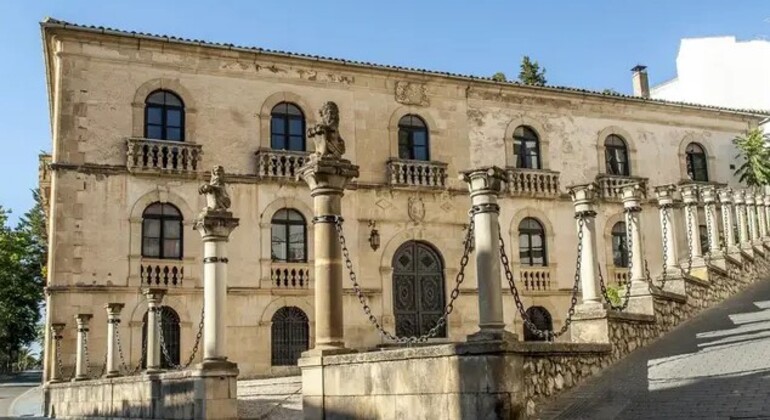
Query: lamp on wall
{"x":374,"y":235}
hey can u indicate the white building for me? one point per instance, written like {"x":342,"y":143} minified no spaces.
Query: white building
{"x":720,"y":71}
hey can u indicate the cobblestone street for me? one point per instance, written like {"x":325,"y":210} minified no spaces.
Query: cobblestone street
{"x":716,"y":366}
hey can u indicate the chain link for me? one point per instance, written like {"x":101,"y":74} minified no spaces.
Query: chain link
{"x":709,"y":231}
{"x":197,"y":341}
{"x":364,"y":301}
{"x":664,"y":276}
{"x":162,"y":340}
{"x":690,"y":222}
{"x":630,"y":251}
{"x":548,"y":335}
{"x":59,"y":367}
{"x":85,"y":352}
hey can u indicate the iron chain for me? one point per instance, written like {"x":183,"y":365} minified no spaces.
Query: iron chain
{"x":85,"y":353}
{"x":630,"y":251}
{"x":162,"y":340}
{"x":664,"y":276}
{"x":59,"y":367}
{"x":690,"y":222}
{"x":197,"y":341}
{"x":364,"y":301}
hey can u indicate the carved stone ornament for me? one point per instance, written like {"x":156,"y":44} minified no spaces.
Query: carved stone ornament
{"x":409,"y":93}
{"x":326,"y":135}
{"x":217,"y":198}
{"x":416,"y":209}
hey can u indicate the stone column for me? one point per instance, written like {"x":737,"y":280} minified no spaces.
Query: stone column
{"x":154,"y":299}
{"x":761,"y":216}
{"x":740,"y":214}
{"x":113,"y":321}
{"x":751,"y":216}
{"x":485,"y":184}
{"x":709,"y":195}
{"x":81,"y":367}
{"x":690,"y":199}
{"x":56,"y":335}
{"x":583,"y":198}
{"x":327,"y":177}
{"x":728,"y":219}
{"x":632,"y":196}
{"x":666,"y":204}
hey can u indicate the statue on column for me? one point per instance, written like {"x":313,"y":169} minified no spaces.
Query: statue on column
{"x":326,"y":135}
{"x":217,"y":198}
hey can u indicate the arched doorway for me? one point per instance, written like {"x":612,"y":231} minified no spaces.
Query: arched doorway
{"x":418,"y":289}
{"x":542,"y":320}
{"x":289,"y":336}
{"x":170,"y":328}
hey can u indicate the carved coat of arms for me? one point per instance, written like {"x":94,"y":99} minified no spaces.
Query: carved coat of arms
{"x":416,"y":209}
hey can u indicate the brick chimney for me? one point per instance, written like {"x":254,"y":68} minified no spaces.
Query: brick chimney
{"x":641,"y":84}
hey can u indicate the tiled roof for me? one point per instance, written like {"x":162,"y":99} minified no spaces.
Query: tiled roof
{"x":53,"y":23}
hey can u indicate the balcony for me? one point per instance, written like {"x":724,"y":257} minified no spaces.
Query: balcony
{"x":161,"y":273}
{"x":535,"y":279}
{"x":290,"y":275}
{"x":618,"y":275}
{"x":279,"y":164}
{"x":532,"y":182}
{"x":611,"y":186}
{"x":416,"y":173}
{"x":162,"y":156}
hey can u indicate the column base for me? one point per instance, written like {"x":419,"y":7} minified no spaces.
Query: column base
{"x":153,"y":371}
{"x":717,"y":259}
{"x":327,"y":351}
{"x":80,"y":378}
{"x":590,"y":324}
{"x":112,"y":374}
{"x":674,"y":283}
{"x":640,"y":299}
{"x":216,"y":364}
{"x":490,"y":334}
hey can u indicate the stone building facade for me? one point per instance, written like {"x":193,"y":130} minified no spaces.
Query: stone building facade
{"x":138,"y":120}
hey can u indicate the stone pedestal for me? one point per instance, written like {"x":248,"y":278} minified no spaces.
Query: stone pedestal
{"x":113,"y":321}
{"x":716,"y":255}
{"x":215,"y":227}
{"x":327,"y":178}
{"x":669,"y":231}
{"x":56,"y":336}
{"x":154,"y":298}
{"x":81,"y":366}
{"x":484,"y":185}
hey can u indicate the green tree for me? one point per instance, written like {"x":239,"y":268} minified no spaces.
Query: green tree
{"x":499,"y":77}
{"x":755,"y":157}
{"x":22,"y":267}
{"x":531,"y":73}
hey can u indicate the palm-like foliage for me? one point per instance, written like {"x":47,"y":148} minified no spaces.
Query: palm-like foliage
{"x":754,"y":154}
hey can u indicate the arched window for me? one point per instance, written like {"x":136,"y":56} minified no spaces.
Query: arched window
{"x":413,"y":138}
{"x":418,"y":289}
{"x":162,"y":231}
{"x":532,"y":243}
{"x":170,"y":331}
{"x":164,"y":116}
{"x":619,"y":245}
{"x":288,"y":231}
{"x":542,"y":320}
{"x":289,"y":336}
{"x":695,"y":157}
{"x":616,"y":155}
{"x":526,"y":147}
{"x":287,"y":127}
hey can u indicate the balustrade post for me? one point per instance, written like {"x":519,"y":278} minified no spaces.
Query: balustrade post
{"x":485,"y":184}
{"x":113,"y":321}
{"x":690,"y":197}
{"x":56,"y":336}
{"x":154,"y":299}
{"x":761,"y":217}
{"x":751,"y":217}
{"x":81,"y":356}
{"x":741,"y":216}
{"x":590,"y":322}
{"x":666,"y":205}
{"x":716,"y":256}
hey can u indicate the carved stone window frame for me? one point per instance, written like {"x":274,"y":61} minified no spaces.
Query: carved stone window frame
{"x":550,"y":240}
{"x":265,"y":115}
{"x":633,"y":162}
{"x":175,"y":86}
{"x":265,"y":225}
{"x":435,"y":135}
{"x":711,"y":161}
{"x":542,"y":135}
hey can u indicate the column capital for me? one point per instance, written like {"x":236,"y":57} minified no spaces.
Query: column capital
{"x":738,"y":197}
{"x":327,"y":175}
{"x":725,"y":195}
{"x":632,"y":195}
{"x":583,"y":196}
{"x":113,"y":309}
{"x":58,"y":327}
{"x":215,"y":225}
{"x":154,"y":296}
{"x":748,"y":198}
{"x":665,"y":194}
{"x":767,"y":200}
{"x":689,"y":194}
{"x":709,"y":194}
{"x":82,"y":320}
{"x":759,"y":199}
{"x":484,"y":181}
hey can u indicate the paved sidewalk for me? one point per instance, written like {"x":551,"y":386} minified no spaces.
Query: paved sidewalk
{"x":716,"y":366}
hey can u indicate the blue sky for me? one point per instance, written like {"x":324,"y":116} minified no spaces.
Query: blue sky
{"x":587,"y":43}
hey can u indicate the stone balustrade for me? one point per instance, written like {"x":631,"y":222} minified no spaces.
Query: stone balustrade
{"x":535,"y":279}
{"x":279,"y":164}
{"x":290,"y":275}
{"x":532,"y":182}
{"x":619,"y":275}
{"x":611,"y":186}
{"x":162,"y":156}
{"x":416,"y":173}
{"x":161,"y":273}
